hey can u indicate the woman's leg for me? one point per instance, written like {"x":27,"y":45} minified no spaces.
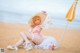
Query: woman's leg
{"x":15,"y":46}
{"x":28,"y":44}
{"x":24,"y":36}
{"x":20,"y":42}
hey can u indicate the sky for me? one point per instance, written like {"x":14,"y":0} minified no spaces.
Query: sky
{"x":18,"y":10}
{"x":23,"y":6}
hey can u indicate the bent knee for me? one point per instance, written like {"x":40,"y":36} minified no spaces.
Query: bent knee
{"x":21,"y":33}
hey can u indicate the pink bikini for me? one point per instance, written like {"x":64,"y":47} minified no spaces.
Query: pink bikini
{"x":35,"y":31}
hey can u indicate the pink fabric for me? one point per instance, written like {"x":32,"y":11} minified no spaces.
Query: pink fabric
{"x":36,"y":30}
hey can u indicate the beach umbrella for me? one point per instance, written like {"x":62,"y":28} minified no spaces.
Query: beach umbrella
{"x":69,"y":17}
{"x":71,"y":13}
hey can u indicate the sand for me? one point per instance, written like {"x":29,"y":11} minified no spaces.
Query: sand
{"x":9,"y":34}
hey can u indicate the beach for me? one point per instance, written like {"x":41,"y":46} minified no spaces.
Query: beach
{"x":10,"y":34}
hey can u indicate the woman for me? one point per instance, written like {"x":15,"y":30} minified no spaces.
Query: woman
{"x":34,"y":38}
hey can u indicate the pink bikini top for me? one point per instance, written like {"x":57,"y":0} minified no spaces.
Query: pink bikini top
{"x":36,"y":30}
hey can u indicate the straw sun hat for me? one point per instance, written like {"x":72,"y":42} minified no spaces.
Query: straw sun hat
{"x":41,"y":14}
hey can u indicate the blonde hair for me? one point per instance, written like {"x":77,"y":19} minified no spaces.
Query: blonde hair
{"x":33,"y":20}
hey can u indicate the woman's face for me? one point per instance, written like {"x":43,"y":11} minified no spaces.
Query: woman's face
{"x":37,"y":20}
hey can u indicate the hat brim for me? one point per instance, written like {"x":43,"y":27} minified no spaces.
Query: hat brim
{"x":42,"y":16}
